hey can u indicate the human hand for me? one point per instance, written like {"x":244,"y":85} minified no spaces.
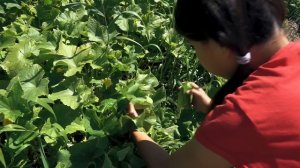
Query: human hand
{"x":200,"y":100}
{"x":134,"y":110}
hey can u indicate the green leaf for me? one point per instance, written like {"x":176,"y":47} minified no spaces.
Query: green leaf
{"x":51,"y":131}
{"x":138,"y":90}
{"x":21,"y":139}
{"x":66,"y":97}
{"x":3,"y":92}
{"x":34,"y":74}
{"x":130,"y":40}
{"x":46,"y":47}
{"x":85,"y":93}
{"x":184,"y":100}
{"x":123,"y":24}
{"x":12,"y":105}
{"x":66,"y":50}
{"x":44,"y":102}
{"x":107,"y":162}
{"x":70,"y":66}
{"x":94,"y":30}
{"x":7,"y":108}
{"x":83,"y":154}
{"x":20,"y":150}
{"x":6,"y":40}
{"x":12,"y":5}
{"x":108,"y":104}
{"x":43,"y":156}
{"x":65,"y":115}
{"x":139,"y":101}
{"x":15,"y":61}
{"x":121,"y":154}
{"x":32,"y":82}
{"x":2,"y":159}
{"x":77,"y":58}
{"x":63,"y":159}
{"x":2,"y":10}
{"x":12,"y":128}
{"x":91,"y":123}
{"x":159,"y":96}
{"x":48,"y":2}
{"x":73,"y":127}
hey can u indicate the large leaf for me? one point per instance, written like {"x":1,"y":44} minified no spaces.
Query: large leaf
{"x":74,"y":127}
{"x":86,"y":153}
{"x":64,"y":159}
{"x":70,"y":66}
{"x":66,"y":50}
{"x":13,"y":105}
{"x":77,"y":57}
{"x":52,"y":132}
{"x":138,"y":90}
{"x":108,"y":105}
{"x":33,"y":83}
{"x":15,"y":60}
{"x":66,"y":97}
{"x":65,"y":115}
{"x":6,"y":40}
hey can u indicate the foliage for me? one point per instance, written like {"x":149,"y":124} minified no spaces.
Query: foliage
{"x":68,"y":69}
{"x":293,"y":7}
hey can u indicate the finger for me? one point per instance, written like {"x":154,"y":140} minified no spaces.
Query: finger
{"x":131,"y":107}
{"x":194,"y":92}
{"x":194,"y":85}
{"x":133,"y":114}
{"x":131,"y":110}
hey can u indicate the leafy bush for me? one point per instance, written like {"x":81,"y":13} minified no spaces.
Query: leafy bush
{"x":293,"y":7}
{"x":68,"y":69}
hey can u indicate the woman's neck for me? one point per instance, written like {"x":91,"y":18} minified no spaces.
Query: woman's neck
{"x":263,"y":52}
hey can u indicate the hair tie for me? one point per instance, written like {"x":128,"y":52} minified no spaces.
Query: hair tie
{"x":244,"y":59}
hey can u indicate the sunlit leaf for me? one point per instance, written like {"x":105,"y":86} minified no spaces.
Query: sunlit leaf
{"x":66,"y":97}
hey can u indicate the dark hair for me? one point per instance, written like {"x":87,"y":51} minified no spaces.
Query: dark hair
{"x":236,"y":24}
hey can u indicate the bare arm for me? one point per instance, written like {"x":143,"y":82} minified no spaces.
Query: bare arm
{"x":191,"y":155}
{"x":152,"y":153}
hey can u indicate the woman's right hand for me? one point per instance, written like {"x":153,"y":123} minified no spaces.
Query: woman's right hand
{"x":132,"y":111}
{"x":201,"y":101}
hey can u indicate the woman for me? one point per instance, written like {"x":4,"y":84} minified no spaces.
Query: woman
{"x":254,"y":120}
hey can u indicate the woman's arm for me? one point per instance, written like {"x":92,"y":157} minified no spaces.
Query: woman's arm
{"x":191,"y":155}
{"x":153,"y":154}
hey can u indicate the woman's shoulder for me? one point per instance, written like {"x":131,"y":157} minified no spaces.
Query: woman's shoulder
{"x":273,"y":84}
{"x":290,"y":54}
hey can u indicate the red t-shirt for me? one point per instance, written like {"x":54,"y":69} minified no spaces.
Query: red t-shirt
{"x":258,"y":126}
